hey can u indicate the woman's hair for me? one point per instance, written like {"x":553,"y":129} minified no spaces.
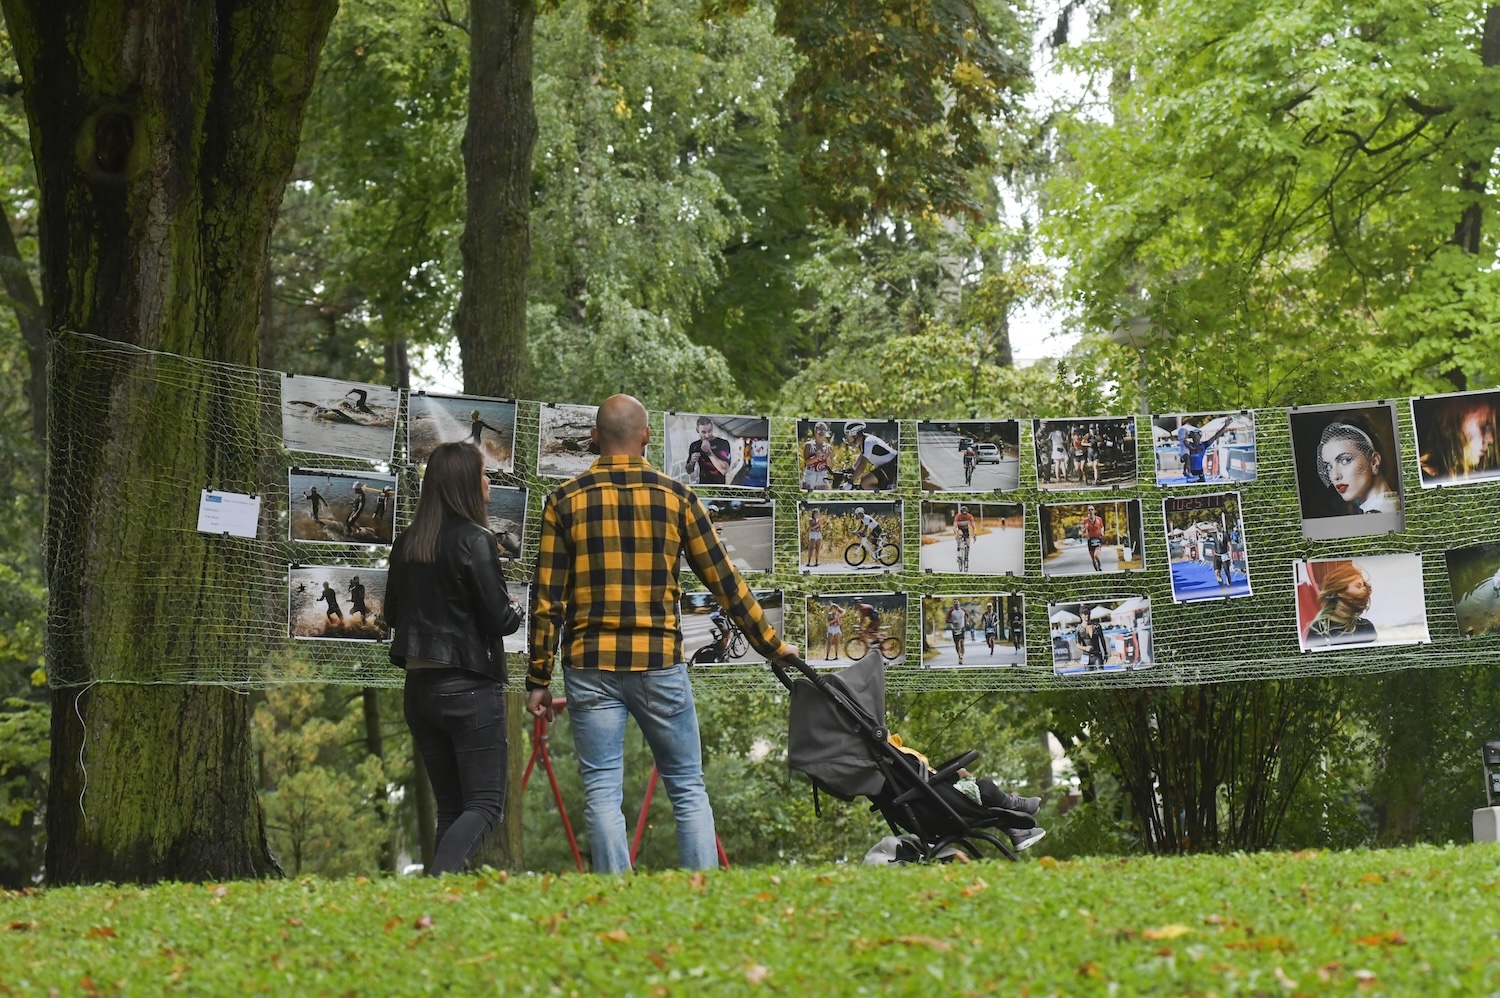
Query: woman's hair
{"x":1359,"y":438}
{"x":450,"y":490}
{"x":1333,"y":583}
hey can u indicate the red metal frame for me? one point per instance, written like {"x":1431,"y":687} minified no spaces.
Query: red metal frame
{"x":539,"y":735}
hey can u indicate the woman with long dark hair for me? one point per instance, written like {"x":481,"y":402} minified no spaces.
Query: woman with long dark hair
{"x":447,"y":600}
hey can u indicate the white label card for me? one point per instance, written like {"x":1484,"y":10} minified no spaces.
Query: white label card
{"x":228,"y":513}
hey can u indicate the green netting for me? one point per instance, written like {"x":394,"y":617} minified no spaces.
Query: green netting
{"x":1246,"y":638}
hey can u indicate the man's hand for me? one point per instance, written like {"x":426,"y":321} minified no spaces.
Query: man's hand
{"x":790,"y":655}
{"x":539,"y":704}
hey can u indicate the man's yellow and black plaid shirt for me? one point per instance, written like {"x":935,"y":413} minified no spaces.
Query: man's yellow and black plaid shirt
{"x":606,"y":572}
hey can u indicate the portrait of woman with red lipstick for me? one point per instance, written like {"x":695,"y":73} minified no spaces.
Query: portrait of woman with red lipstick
{"x":1348,"y":470}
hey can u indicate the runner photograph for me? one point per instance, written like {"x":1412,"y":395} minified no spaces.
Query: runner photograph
{"x":1458,"y":437}
{"x":1474,"y":581}
{"x":1091,"y":537}
{"x":489,"y":424}
{"x":520,"y":598}
{"x":844,"y":628}
{"x":849,"y":538}
{"x":748,"y":530}
{"x":850,"y":455}
{"x":970,"y":456}
{"x":974,"y":538}
{"x":1362,"y":602}
{"x":1206,"y":547}
{"x":341,"y":418}
{"x":1347,"y":463}
{"x":1094,"y":453}
{"x":966,"y":631}
{"x":729,"y":451}
{"x":564,"y":447}
{"x":1109,"y":635}
{"x":1204,"y":448}
{"x":336,"y":603}
{"x":340,"y":507}
{"x":507,"y":515}
{"x":709,"y":636}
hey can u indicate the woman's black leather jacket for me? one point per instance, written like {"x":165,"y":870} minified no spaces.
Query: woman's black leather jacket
{"x":454,"y":610}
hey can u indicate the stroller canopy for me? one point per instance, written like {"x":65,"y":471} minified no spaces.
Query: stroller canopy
{"x":824,"y":739}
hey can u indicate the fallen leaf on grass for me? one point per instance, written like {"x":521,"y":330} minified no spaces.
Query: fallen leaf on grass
{"x":1366,"y":978}
{"x":1165,"y":953}
{"x":295,"y":923}
{"x":1330,"y":971}
{"x":756,"y":973}
{"x":614,"y":936}
{"x":19,"y":926}
{"x":1284,"y":980}
{"x":218,"y":890}
{"x":931,"y":943}
{"x":422,"y":922}
{"x":101,"y":932}
{"x":391,"y":923}
{"x":1279,"y":943}
{"x":1089,"y":969}
{"x":656,"y":958}
{"x":976,"y":887}
{"x":1048,"y":862}
{"x":1166,"y":932}
{"x":1371,"y":878}
{"x":1383,"y":939}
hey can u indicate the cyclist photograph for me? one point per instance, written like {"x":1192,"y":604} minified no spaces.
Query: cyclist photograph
{"x":848,"y":626}
{"x":709,"y":637}
{"x":855,"y":537}
{"x":971,"y":455}
{"x":963,"y":535}
{"x":874,"y":468}
{"x":973,"y":538}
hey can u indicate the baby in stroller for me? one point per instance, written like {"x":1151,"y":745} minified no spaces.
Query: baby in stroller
{"x":987,"y":794}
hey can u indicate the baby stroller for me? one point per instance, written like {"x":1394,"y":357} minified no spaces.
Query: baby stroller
{"x":837,"y":737}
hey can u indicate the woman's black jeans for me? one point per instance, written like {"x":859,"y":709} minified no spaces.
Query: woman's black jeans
{"x":457,"y":719}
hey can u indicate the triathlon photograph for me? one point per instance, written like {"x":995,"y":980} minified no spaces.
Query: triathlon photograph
{"x":565,"y":448}
{"x":748,"y":529}
{"x":977,"y":455}
{"x":340,"y":507}
{"x":489,"y":424}
{"x":1362,"y":602}
{"x":1348,"y":467}
{"x":974,"y":538}
{"x":340,"y":418}
{"x":1474,"y":581}
{"x":336,"y":603}
{"x":845,"y":628}
{"x":1084,"y":538}
{"x":709,"y":636}
{"x":1458,"y":437}
{"x":1204,"y":448}
{"x":728,"y":451}
{"x":967,"y":631}
{"x":1094,"y":453}
{"x":849,"y":538}
{"x":855,"y":455}
{"x":1206,"y":547}
{"x":1109,"y":635}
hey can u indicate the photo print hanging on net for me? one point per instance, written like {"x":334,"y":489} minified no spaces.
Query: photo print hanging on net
{"x":860,"y":455}
{"x":1100,"y":635}
{"x":977,"y":455}
{"x":340,"y":507}
{"x":1096,"y":452}
{"x":748,"y":529}
{"x":1102,"y":537}
{"x":1474,"y":580}
{"x":973,"y":631}
{"x":1458,"y":437}
{"x":565,"y":447}
{"x":710,"y":636}
{"x":336,"y":603}
{"x":1362,"y":602}
{"x":507,"y":515}
{"x":515,"y":643}
{"x":728,"y":451}
{"x":1206,"y":546}
{"x":842,"y":629}
{"x":1348,"y":466}
{"x":849,"y":538}
{"x":1204,"y":448}
{"x":341,"y":418}
{"x":489,"y":424}
{"x":974,"y":538}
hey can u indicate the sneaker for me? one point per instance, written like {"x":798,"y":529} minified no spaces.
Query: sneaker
{"x":1026,"y":839}
{"x":1030,"y":805}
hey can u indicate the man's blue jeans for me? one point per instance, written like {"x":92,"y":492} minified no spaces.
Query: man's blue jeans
{"x":661,"y":701}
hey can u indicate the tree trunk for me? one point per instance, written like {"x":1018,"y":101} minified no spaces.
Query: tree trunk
{"x":23,"y":301}
{"x":163,"y":134}
{"x":496,"y":244}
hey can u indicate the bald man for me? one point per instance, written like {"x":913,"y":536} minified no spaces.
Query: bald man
{"x":606,"y":585}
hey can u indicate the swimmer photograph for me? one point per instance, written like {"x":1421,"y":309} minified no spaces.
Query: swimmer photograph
{"x":489,"y":424}
{"x":340,"y":507}
{"x":340,"y":418}
{"x":336,"y":603}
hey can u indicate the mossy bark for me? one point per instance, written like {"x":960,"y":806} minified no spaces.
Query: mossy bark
{"x":491,"y":319}
{"x":163,"y":134}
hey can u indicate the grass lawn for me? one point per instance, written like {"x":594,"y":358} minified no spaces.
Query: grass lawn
{"x":1411,"y":921}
